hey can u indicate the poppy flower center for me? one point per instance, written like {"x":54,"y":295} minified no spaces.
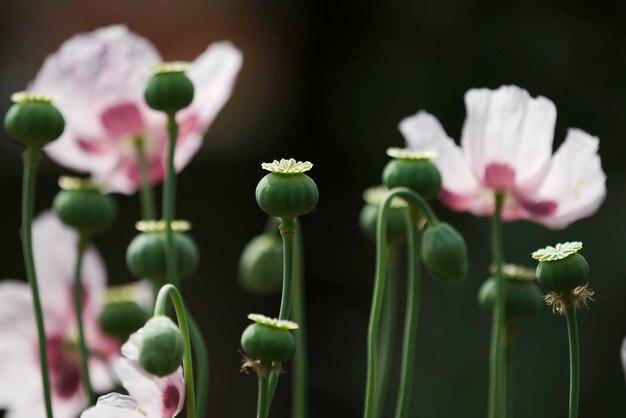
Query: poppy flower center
{"x":64,"y":366}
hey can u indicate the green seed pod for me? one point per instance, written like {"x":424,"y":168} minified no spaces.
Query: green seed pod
{"x":396,"y":220}
{"x":33,"y":120}
{"x":261,"y":265}
{"x":162,"y":347}
{"x":269,"y":339}
{"x":286,"y":192}
{"x":444,"y":253}
{"x":145,"y":255}
{"x":169,"y":89}
{"x":523,"y":297}
{"x":561,"y":268}
{"x":120,"y":319}
{"x":412,"y":170}
{"x":81,"y":205}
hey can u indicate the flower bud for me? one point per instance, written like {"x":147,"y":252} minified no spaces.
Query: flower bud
{"x":162,"y":347}
{"x":286,"y":192}
{"x":522,"y":295}
{"x":396,"y":215}
{"x":169,"y":89}
{"x":261,"y":265}
{"x":444,"y":253}
{"x":145,"y":255}
{"x":269,"y":339}
{"x":413,"y":170}
{"x":120,"y":319}
{"x":81,"y":205}
{"x":561,"y":268}
{"x":33,"y":120}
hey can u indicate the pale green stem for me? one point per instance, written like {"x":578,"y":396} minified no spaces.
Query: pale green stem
{"x":78,"y":308}
{"x":497,"y":391}
{"x":263,"y":397}
{"x":145,"y":191}
{"x":417,"y":203}
{"x":407,"y":368}
{"x":299,"y":385}
{"x":31,"y":161}
{"x":574,"y":359}
{"x":160,"y":308}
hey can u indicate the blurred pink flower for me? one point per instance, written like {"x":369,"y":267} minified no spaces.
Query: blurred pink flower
{"x":150,"y":396}
{"x":54,"y":246}
{"x":506,"y":146}
{"x":97,"y":80}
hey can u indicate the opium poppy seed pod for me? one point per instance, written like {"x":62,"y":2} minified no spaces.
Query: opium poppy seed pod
{"x":561,"y":268}
{"x":169,"y":89}
{"x":81,"y":205}
{"x":444,"y":253}
{"x":269,"y":340}
{"x":396,"y":216}
{"x":261,"y":265}
{"x":145,"y":255}
{"x":287,"y":192}
{"x":414,"y":170}
{"x":33,"y":120}
{"x":162,"y":346}
{"x":522,"y":294}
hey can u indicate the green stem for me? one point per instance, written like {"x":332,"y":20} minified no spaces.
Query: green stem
{"x":160,"y":308}
{"x":509,"y":354}
{"x":83,"y":241}
{"x":169,"y":205}
{"x":497,"y":369}
{"x":31,"y":160}
{"x":287,"y":231}
{"x":202,"y":365}
{"x":417,"y":203}
{"x":169,"y":200}
{"x":263,"y":398}
{"x":299,"y":385}
{"x":574,"y":359}
{"x":145,"y":191}
{"x":387,"y":333}
{"x":407,"y":368}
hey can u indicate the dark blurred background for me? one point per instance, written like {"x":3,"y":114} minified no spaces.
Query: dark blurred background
{"x":328,"y":82}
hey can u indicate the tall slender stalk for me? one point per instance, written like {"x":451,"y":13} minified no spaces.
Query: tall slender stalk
{"x":160,"y":308}
{"x":574,"y":359}
{"x":81,"y":246}
{"x":497,"y":370}
{"x":31,"y":158}
{"x":169,"y":205}
{"x":407,"y":368}
{"x":145,"y":190}
{"x":509,"y":354}
{"x":299,"y":385}
{"x":416,"y":202}
{"x":263,"y":397}
{"x":387,"y":333}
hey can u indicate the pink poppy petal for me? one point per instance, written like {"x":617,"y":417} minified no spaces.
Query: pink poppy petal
{"x":507,"y":126}
{"x":122,"y":118}
{"x":575,"y":180}
{"x":159,"y":397}
{"x":17,"y":320}
{"x":113,"y":405}
{"x":213,"y":74}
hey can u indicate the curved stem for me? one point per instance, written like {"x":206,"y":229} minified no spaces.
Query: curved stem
{"x":31,"y":160}
{"x":574,"y":359}
{"x":497,"y":370}
{"x":419,"y":204}
{"x":160,"y":309}
{"x":403,"y":404}
{"x":299,"y":383}
{"x":387,"y":334}
{"x":145,"y":191}
{"x":78,"y":308}
{"x":263,"y":397}
{"x":287,"y":231}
